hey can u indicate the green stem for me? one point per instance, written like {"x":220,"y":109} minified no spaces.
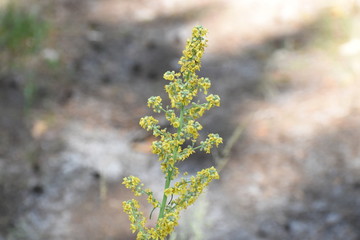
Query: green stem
{"x":170,"y":170}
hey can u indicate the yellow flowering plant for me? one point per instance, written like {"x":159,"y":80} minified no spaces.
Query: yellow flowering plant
{"x":176,"y":144}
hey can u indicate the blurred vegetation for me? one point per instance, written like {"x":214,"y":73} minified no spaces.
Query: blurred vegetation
{"x":327,"y":34}
{"x":333,"y":27}
{"x":21,"y":33}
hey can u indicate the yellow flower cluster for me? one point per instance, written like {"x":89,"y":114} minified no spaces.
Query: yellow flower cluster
{"x":211,"y":140}
{"x":135,"y":185}
{"x":136,"y":217}
{"x":149,"y":123}
{"x":177,"y":145}
{"x":188,"y":190}
{"x":213,"y":100}
{"x":155,"y":103}
{"x":182,"y":90}
{"x":170,"y":75}
{"x":194,"y":50}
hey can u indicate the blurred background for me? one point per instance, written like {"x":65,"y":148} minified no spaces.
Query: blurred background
{"x":74,"y":80}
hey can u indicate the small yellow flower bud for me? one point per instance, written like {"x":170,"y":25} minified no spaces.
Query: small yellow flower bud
{"x":169,"y":75}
